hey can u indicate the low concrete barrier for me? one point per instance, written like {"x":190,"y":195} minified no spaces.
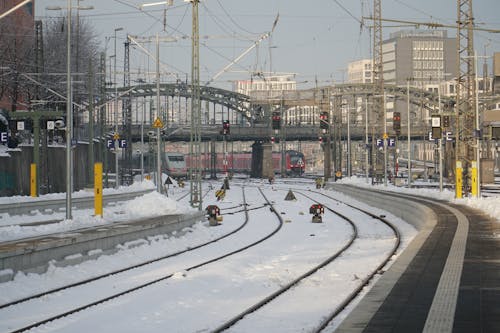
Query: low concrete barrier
{"x":72,"y":247}
{"x":416,"y":214}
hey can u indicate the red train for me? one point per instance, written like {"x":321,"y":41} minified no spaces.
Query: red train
{"x":242,"y":162}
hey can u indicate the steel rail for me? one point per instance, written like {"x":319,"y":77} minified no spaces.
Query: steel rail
{"x":297,"y":280}
{"x":143,"y":285}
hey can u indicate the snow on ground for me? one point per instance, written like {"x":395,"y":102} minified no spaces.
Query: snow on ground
{"x":201,"y":299}
{"x":148,"y":205}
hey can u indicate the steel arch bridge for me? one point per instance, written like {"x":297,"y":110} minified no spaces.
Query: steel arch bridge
{"x":232,"y":100}
{"x":251,"y":108}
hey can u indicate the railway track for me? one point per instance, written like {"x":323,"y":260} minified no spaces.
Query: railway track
{"x":11,"y":306}
{"x":323,"y":264}
{"x":266,"y":300}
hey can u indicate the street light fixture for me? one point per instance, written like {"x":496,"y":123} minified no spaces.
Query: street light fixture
{"x":69,"y":113}
{"x":168,"y":3}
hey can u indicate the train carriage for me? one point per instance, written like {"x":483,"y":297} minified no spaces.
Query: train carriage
{"x":242,"y":162}
{"x":174,"y":165}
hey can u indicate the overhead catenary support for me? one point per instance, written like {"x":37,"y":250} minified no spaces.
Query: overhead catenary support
{"x":127,"y":119}
{"x":233,"y":62}
{"x":465,"y":96}
{"x":378,"y":73}
{"x":195,"y":134}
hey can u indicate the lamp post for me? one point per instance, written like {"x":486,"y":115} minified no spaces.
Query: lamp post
{"x":117,"y":178}
{"x":440,"y":143}
{"x":385,"y":138}
{"x":348,"y":167}
{"x":69,"y":119}
{"x":366,"y":139}
{"x":69,"y":112}
{"x":158,"y":136}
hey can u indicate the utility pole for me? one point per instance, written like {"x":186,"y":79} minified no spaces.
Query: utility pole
{"x":195,"y":135}
{"x":103,"y":151}
{"x":90,"y":170}
{"x":116,"y":135}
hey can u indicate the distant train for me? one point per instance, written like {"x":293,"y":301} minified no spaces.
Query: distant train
{"x":177,"y":164}
{"x":172,"y":164}
{"x":242,"y":162}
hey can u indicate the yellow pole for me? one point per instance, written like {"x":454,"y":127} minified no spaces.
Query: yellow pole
{"x":98,"y":189}
{"x":33,"y":180}
{"x":458,"y":180}
{"x":474,"y":179}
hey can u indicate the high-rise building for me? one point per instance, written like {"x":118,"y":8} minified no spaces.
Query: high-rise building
{"x":421,"y":56}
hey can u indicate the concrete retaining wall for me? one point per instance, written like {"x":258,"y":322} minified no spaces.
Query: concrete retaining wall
{"x":412,"y":212}
{"x":34,"y":255}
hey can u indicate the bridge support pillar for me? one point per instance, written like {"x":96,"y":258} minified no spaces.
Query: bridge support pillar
{"x":257,"y":158}
{"x":267,"y":163}
{"x":262,"y":160}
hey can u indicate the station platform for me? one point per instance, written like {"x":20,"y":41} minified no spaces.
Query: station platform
{"x":65,"y":248}
{"x":446,"y":280}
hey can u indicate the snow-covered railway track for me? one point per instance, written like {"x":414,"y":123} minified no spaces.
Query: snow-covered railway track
{"x":296,"y":283}
{"x":39,"y":300}
{"x":368,"y":277}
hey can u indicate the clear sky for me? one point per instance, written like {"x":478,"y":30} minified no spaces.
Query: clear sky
{"x":314,"y":39}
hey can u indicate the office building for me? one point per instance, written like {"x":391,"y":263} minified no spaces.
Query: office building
{"x":421,"y":56}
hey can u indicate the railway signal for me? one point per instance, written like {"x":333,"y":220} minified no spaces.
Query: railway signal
{"x":396,"y":122}
{"x":214,"y":216}
{"x":225,"y":127}
{"x":276,"y":121}
{"x":324,"y":122}
{"x":436,"y":126}
{"x":317,"y":210}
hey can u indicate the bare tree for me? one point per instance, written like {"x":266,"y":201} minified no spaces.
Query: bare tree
{"x":16,"y":54}
{"x":17,"y":60}
{"x":84,"y":47}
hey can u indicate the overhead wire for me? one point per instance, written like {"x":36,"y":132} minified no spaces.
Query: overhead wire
{"x":234,"y":22}
{"x":348,"y":12}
